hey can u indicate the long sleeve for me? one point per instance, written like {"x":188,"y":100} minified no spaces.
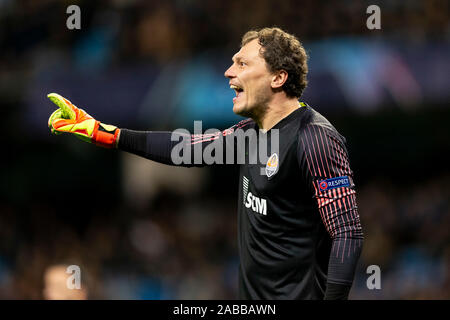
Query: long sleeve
{"x":324,"y":158}
{"x":180,"y":148}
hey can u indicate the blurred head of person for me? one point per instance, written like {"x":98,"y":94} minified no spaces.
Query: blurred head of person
{"x":56,"y":284}
{"x":269,"y":71}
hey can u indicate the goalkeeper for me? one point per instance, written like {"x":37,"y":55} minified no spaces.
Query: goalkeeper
{"x":299,"y":232}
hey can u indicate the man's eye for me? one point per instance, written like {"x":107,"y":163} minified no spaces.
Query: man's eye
{"x":242,"y":64}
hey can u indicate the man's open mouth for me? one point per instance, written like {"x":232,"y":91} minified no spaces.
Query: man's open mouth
{"x":236,"y":89}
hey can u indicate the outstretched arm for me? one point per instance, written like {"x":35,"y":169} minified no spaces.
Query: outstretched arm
{"x":182,"y":148}
{"x":166,"y":147}
{"x":172,"y":148}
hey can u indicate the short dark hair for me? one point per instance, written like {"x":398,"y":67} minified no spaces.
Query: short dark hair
{"x":282,"y":51}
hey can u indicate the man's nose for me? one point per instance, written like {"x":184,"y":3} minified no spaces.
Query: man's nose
{"x":230,"y":73}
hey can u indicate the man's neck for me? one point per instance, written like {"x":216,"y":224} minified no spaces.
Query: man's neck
{"x":276,"y":112}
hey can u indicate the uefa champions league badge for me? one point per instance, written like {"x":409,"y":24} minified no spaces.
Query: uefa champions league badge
{"x":272,"y":165}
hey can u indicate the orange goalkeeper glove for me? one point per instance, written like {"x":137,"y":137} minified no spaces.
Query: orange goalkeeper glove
{"x":70,"y":119}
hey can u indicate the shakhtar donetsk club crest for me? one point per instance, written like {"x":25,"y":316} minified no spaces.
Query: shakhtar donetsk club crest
{"x":272,"y":165}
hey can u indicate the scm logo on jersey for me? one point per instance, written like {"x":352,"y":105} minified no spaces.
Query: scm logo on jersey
{"x":258,"y":205}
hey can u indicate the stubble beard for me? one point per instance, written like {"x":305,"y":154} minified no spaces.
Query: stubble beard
{"x":258,"y":109}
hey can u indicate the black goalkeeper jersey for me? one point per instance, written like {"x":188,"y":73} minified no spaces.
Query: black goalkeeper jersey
{"x":284,"y":246}
{"x":298,"y":224}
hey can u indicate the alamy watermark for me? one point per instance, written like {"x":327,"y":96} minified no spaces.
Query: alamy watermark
{"x":231,"y":146}
{"x":74,"y":281}
{"x":374,"y":280}
{"x":74,"y":20}
{"x":374,"y":20}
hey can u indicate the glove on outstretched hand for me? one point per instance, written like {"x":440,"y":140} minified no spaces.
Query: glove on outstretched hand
{"x":70,"y":119}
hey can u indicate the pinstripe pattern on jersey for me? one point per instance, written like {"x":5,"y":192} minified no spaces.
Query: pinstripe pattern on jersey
{"x":326,"y":157}
{"x":199,"y":138}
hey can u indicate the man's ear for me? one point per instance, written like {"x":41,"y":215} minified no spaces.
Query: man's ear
{"x":278,"y":79}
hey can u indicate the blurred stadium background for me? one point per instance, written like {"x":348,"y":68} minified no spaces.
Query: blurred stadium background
{"x":140,"y":230}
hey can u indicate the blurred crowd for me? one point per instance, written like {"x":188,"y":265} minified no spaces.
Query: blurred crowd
{"x":175,"y":248}
{"x":36,"y":45}
{"x":126,"y":31}
{"x":408,"y":237}
{"x":179,"y":247}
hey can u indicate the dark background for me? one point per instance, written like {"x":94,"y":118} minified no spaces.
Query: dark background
{"x":141,"y":230}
